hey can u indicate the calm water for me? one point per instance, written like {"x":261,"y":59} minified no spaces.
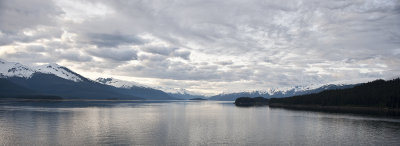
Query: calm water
{"x":185,"y":123}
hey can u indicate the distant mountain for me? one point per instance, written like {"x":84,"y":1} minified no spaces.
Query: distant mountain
{"x":12,"y":69}
{"x":172,"y":93}
{"x":119,"y":83}
{"x":181,"y":93}
{"x":375,"y":94}
{"x":298,"y":90}
{"x":186,"y":96}
{"x":133,"y":88}
{"x":54,"y":85}
{"x":55,"y":80}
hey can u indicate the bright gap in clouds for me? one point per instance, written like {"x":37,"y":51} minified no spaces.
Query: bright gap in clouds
{"x":208,"y":46}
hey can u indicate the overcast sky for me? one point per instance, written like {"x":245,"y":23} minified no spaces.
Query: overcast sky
{"x":208,"y":46}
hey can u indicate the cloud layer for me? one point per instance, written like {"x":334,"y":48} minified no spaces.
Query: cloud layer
{"x":208,"y":46}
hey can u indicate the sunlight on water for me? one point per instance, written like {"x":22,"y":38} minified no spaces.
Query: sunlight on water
{"x":185,"y":123}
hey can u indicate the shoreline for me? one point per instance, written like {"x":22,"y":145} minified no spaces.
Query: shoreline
{"x":64,"y":99}
{"x":341,"y":109}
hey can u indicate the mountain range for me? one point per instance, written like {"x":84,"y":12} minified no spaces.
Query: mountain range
{"x":278,"y":93}
{"x":173,"y":92}
{"x":58,"y":81}
{"x":52,"y":80}
{"x":379,"y":96}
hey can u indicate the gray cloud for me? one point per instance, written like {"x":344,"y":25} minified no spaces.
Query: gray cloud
{"x":115,"y":54}
{"x":27,"y":57}
{"x":182,"y":54}
{"x":111,"y":40}
{"x":165,"y":51}
{"x":213,"y":45}
{"x":74,"y":56}
{"x":227,"y":62}
{"x":168,"y":51}
{"x":26,"y":21}
{"x":16,"y":15}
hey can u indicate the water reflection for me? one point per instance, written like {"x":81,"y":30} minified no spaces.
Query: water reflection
{"x":184,"y":123}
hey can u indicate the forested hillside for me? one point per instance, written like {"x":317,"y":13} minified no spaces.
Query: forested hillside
{"x":378,"y":93}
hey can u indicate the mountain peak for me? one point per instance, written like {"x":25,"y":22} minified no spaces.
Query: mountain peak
{"x":14,"y":69}
{"x":60,"y":71}
{"x":52,"y":65}
{"x":119,"y":83}
{"x":10,"y":69}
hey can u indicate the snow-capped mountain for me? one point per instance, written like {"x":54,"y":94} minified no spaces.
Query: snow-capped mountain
{"x":174,"y":92}
{"x":53,"y":79}
{"x":137,"y":88}
{"x":181,"y":93}
{"x":283,"y":92}
{"x":177,"y":91}
{"x":128,"y":84}
{"x":59,"y":71}
{"x":119,"y":83}
{"x":186,"y":94}
{"x":13,"y":69}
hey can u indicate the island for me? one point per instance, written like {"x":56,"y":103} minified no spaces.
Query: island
{"x":248,"y":101}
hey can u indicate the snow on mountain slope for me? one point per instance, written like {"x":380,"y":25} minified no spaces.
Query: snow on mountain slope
{"x":275,"y":91}
{"x":119,"y":83}
{"x":281,"y":92}
{"x":59,"y":71}
{"x":176,"y":90}
{"x":128,"y":84}
{"x":13,"y":69}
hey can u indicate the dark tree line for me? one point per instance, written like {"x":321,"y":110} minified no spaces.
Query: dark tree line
{"x":378,"y":93}
{"x":248,"y":101}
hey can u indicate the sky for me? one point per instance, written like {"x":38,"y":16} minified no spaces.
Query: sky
{"x":208,"y":46}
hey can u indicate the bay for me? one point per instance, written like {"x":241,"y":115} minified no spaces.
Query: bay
{"x":185,"y":123}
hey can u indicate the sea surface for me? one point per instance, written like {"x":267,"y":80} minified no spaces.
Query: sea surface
{"x":185,"y":123}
